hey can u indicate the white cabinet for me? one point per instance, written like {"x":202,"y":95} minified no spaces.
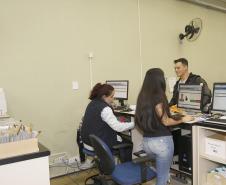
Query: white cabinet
{"x":27,"y":169}
{"x":202,"y":162}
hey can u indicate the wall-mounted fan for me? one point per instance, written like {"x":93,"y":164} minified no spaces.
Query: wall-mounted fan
{"x":192,"y":30}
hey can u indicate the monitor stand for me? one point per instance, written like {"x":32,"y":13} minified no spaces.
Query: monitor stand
{"x":121,"y":103}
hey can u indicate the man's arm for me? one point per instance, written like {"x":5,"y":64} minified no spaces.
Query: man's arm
{"x":206,"y":91}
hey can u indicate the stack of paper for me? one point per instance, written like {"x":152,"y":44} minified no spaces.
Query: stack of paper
{"x":3,"y":105}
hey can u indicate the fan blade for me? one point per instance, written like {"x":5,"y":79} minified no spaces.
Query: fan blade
{"x":197,"y":30}
{"x":192,"y":34}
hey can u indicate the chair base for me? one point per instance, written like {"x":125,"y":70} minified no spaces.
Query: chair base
{"x":95,"y":180}
{"x":100,"y":180}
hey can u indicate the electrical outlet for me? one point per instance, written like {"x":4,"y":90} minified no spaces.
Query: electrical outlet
{"x":57,"y":157}
{"x":60,"y":159}
{"x":73,"y":159}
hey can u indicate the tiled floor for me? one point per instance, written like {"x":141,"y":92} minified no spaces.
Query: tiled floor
{"x":79,"y":179}
{"x":73,"y":179}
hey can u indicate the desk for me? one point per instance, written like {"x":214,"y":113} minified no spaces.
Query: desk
{"x":28,"y":169}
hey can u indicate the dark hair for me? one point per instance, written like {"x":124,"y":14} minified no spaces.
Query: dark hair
{"x":152,"y":92}
{"x":100,"y":90}
{"x":184,"y":61}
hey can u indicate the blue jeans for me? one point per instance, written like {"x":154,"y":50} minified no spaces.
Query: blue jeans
{"x":161,"y":149}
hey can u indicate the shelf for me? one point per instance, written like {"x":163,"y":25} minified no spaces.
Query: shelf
{"x":213,"y":158}
{"x":202,"y":162}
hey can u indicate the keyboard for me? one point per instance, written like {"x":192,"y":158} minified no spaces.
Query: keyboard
{"x":127,"y":110}
{"x":216,"y":120}
{"x":197,"y":119}
{"x":123,"y":109}
{"x":192,"y":113}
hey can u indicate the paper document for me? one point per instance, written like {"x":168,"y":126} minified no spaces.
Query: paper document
{"x":223,"y":117}
{"x":3,"y":106}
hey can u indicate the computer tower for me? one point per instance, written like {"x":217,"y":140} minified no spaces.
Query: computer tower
{"x":185,"y":153}
{"x":176,"y":139}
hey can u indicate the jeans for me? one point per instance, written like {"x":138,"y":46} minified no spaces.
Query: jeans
{"x":161,"y":149}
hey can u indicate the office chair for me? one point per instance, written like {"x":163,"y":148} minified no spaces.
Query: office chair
{"x":87,"y":151}
{"x":127,"y":173}
{"x":84,"y":153}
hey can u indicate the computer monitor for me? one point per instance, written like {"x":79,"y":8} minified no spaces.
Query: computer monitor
{"x":219,"y":98}
{"x":121,"y":89}
{"x":190,"y":97}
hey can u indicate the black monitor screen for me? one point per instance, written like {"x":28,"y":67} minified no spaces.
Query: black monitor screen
{"x":121,"y":88}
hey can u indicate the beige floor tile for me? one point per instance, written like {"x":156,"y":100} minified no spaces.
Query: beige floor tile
{"x":61,"y":181}
{"x":73,"y":179}
{"x":79,"y":179}
{"x":82,"y":176}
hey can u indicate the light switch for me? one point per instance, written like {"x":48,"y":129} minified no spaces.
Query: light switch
{"x":74,"y":85}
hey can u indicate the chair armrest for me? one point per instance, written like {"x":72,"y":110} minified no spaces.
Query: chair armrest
{"x":123,"y":145}
{"x":140,"y":153}
{"x":142,"y":159}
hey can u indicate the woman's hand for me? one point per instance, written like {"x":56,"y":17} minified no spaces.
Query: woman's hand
{"x":187,"y":118}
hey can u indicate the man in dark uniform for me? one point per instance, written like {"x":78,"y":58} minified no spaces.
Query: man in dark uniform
{"x":181,"y":69}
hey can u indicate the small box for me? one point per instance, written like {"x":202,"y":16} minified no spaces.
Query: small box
{"x":215,"y":145}
{"x":214,"y":178}
{"x":18,"y":148}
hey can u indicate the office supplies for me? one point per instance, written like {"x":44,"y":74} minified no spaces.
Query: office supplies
{"x":190,"y":98}
{"x":218,"y":104}
{"x":121,"y":90}
{"x":17,"y":139}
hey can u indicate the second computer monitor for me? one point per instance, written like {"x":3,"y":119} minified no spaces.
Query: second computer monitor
{"x":121,"y":89}
{"x":219,"y":98}
{"x":190,"y":97}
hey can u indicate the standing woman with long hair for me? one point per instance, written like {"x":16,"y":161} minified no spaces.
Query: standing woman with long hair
{"x":153,"y":118}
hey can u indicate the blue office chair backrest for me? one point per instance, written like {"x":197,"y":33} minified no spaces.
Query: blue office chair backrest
{"x":106,"y":159}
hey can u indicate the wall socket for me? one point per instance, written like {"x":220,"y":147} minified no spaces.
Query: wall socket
{"x":59,"y":160}
{"x":74,"y":159}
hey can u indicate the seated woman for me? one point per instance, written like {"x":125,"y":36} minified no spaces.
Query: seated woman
{"x":99,"y":119}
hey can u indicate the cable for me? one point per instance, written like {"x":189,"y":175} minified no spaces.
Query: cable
{"x":91,"y":69}
{"x":140,"y":41}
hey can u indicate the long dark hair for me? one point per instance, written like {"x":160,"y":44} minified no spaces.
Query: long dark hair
{"x":100,"y":90}
{"x":151,"y":93}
